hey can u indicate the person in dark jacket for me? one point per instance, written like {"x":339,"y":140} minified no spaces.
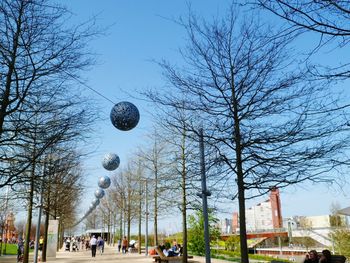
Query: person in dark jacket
{"x":311,"y":257}
{"x":325,"y":256}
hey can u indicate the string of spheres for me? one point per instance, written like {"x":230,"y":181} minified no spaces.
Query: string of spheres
{"x":124,"y":116}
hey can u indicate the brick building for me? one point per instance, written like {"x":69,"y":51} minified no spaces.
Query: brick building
{"x":263,"y":216}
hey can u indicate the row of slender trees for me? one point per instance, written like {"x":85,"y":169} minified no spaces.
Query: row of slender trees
{"x":43,"y":120}
{"x":157,"y":184}
{"x":271,"y":116}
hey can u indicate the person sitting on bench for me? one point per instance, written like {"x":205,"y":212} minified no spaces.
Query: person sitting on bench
{"x":168,"y":252}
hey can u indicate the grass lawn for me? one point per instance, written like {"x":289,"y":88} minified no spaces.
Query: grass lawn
{"x":11,"y":249}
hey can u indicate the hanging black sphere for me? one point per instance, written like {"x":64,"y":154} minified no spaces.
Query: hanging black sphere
{"x":125,"y":116}
{"x":104,"y":182}
{"x":96,"y":201}
{"x":110,"y":161}
{"x":99,"y":193}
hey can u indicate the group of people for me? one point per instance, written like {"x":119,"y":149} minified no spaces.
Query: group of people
{"x":20,"y":247}
{"x":73,"y":243}
{"x":124,"y":245}
{"x":314,"y":257}
{"x":96,"y":244}
{"x":171,"y":251}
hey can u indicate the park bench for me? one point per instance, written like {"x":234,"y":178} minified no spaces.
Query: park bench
{"x":338,"y":259}
{"x":163,"y":258}
{"x":334,"y":259}
{"x":133,"y":250}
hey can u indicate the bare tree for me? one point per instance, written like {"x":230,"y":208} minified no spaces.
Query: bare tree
{"x":182,"y":163}
{"x":108,"y":211}
{"x":62,"y":180}
{"x":39,"y":55}
{"x":125,"y":192}
{"x":48,"y":123}
{"x":269,"y":126}
{"x":117,"y":195}
{"x":329,"y":19}
{"x":155,"y":163}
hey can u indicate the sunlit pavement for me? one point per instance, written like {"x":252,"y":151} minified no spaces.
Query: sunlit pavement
{"x":110,"y":255}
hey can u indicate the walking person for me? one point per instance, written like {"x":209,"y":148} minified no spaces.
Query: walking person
{"x":41,"y":243}
{"x":119,"y":245}
{"x":100,"y":245}
{"x":20,"y":250}
{"x":93,"y":245}
{"x":125,"y":245}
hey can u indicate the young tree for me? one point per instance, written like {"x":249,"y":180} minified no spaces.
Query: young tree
{"x":341,"y":239}
{"x":335,"y":219}
{"x":270,"y":127}
{"x":154,"y":160}
{"x":117,"y":194}
{"x":62,"y":181}
{"x":183,"y":163}
{"x":126,"y":196}
{"x":196,"y":232}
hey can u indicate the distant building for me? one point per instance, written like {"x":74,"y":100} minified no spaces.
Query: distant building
{"x":235,"y":222}
{"x":322,"y":221}
{"x":263,"y":216}
{"x":226,"y":226}
{"x":9,"y":231}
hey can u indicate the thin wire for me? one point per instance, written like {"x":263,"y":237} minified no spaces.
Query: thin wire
{"x":87,"y":86}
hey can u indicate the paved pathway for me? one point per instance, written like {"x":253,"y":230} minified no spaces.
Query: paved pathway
{"x":110,"y":255}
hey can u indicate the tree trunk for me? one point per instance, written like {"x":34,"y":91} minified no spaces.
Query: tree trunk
{"x":129,"y":214}
{"x":62,"y":236}
{"x":156,"y":207}
{"x":47,"y":217}
{"x":184,"y":200}
{"x":140,"y":217}
{"x":121,"y":224}
{"x":46,"y":227}
{"x":59,"y":235}
{"x":240,"y":179}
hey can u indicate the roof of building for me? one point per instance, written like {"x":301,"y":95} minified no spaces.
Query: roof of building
{"x":345,"y":211}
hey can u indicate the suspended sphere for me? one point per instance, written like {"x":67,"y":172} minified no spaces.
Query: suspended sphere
{"x":96,"y":201}
{"x":110,"y":161}
{"x":125,"y":116}
{"x":91,"y":208}
{"x":99,"y":193}
{"x":104,"y":182}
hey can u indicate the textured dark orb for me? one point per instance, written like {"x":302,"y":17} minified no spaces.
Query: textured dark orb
{"x":92,"y":207}
{"x":125,"y":116}
{"x":110,"y":161}
{"x":104,"y":182}
{"x":99,"y":193}
{"x":96,"y":201}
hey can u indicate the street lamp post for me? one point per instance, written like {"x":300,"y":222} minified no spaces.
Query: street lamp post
{"x":5,"y":239}
{"x":146,"y":230}
{"x":37,"y":233}
{"x":204,"y":194}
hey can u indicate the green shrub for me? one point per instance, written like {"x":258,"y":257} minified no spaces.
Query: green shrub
{"x":196,"y":242}
{"x":235,"y":256}
{"x":233,"y":243}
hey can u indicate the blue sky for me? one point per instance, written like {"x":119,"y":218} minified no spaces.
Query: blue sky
{"x":138,"y":32}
